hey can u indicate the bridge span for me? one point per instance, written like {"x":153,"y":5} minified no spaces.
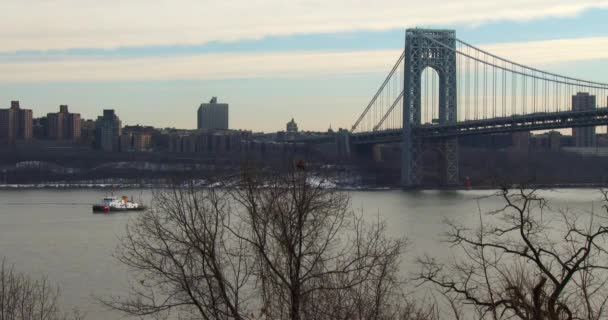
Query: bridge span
{"x":531,"y":122}
{"x":442,"y":88}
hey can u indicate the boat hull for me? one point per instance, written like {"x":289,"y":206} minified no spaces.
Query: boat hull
{"x":105,"y":209}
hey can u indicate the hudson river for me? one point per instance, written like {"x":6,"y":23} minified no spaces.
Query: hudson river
{"x":53,"y":232}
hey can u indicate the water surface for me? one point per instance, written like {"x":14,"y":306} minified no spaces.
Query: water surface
{"x":53,"y":232}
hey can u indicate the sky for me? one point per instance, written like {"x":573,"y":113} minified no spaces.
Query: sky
{"x":319,"y":62}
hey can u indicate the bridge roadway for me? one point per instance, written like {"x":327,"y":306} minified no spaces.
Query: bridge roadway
{"x":528,"y":122}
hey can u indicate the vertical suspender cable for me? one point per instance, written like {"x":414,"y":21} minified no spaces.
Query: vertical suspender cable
{"x":514,"y":96}
{"x":524,"y":93}
{"x":485,"y":89}
{"x":476,"y":85}
{"x":467,"y":87}
{"x":494,"y":90}
{"x":533,"y":93}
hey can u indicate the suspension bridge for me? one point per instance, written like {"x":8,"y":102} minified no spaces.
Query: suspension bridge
{"x":441,"y":88}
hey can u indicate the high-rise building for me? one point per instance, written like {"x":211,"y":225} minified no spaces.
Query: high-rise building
{"x":63,"y":125}
{"x":213,"y":115}
{"x":7,"y":131}
{"x":583,"y":136}
{"x":16,"y":123}
{"x":108,"y":129}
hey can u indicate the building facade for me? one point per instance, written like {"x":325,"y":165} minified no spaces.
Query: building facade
{"x":63,"y":125}
{"x":212,"y":115}
{"x":108,"y":129}
{"x":209,"y":141}
{"x":583,"y":136}
{"x":16,"y":123}
{"x":135,"y":142}
{"x":136,"y":138}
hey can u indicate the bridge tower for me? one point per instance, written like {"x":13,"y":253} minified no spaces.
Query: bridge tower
{"x":422,"y":52}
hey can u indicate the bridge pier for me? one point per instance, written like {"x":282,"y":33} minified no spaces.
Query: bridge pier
{"x":423,"y":51}
{"x":450,"y":155}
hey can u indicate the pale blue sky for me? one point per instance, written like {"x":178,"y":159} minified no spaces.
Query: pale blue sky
{"x":268,"y":72}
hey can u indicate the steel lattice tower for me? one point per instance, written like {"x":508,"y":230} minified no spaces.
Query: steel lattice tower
{"x":422,"y":52}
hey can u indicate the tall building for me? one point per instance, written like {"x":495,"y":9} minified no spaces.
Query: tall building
{"x":213,"y":115}
{"x":63,"y":125}
{"x":108,"y":129}
{"x":16,"y":123}
{"x":583,"y":136}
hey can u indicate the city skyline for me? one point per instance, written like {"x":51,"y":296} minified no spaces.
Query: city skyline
{"x":269,"y":75}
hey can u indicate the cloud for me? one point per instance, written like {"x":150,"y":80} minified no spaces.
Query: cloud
{"x":276,"y":64}
{"x":201,"y":67}
{"x":64,"y":24}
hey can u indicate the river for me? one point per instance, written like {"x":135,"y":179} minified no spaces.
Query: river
{"x":53,"y":232}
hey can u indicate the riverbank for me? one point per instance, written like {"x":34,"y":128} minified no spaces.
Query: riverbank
{"x":327,"y":184}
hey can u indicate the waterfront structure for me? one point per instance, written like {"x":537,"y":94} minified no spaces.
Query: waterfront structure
{"x":212,"y":115}
{"x":16,"y":123}
{"x":583,"y":136}
{"x":63,"y":125}
{"x":108,"y":129}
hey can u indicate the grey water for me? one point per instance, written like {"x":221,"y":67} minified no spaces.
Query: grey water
{"x":54,"y":232}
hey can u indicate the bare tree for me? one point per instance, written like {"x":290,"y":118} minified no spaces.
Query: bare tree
{"x":311,"y":246}
{"x":184,"y":260}
{"x":527,"y":261}
{"x":271,"y":247}
{"x":23,"y":298}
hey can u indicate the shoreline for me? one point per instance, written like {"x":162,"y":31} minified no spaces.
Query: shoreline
{"x":105,"y":186}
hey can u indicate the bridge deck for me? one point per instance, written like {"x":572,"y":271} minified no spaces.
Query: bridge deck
{"x":530,"y":122}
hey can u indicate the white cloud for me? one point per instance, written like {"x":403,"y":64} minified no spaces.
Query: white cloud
{"x":62,"y":24}
{"x":277,"y":64}
{"x":203,"y":67}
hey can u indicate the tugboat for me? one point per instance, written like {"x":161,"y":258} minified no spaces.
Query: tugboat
{"x":114,"y":204}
